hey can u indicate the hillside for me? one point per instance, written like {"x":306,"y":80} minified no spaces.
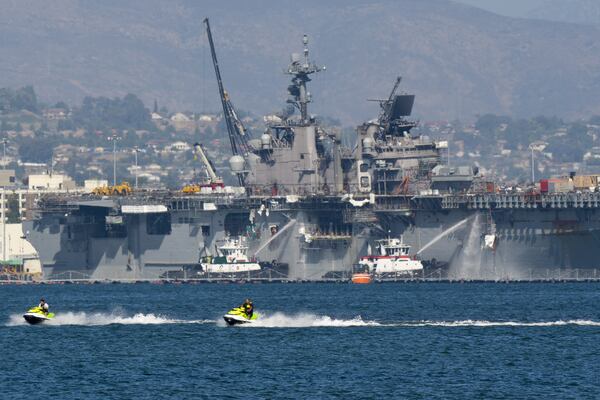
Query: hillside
{"x":575,"y":11}
{"x":459,"y":60}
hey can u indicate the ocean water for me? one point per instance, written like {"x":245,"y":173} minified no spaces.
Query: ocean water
{"x":418,"y":340}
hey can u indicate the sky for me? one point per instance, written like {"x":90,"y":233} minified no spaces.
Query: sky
{"x":511,"y":8}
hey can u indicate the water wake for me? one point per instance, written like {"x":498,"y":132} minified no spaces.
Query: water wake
{"x":282,"y":320}
{"x":484,"y":323}
{"x":305,"y":320}
{"x":94,"y":319}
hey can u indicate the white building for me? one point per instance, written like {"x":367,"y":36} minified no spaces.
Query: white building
{"x":180,"y":146}
{"x":180,"y":117}
{"x":15,"y":246}
{"x":90,"y":184}
{"x":51,"y":182}
{"x":207,"y":118}
{"x":7,"y":177}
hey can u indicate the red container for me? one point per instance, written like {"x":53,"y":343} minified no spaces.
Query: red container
{"x":544,"y":185}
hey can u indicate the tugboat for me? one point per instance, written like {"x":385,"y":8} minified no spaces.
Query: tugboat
{"x":391,"y":256}
{"x":232,"y":257}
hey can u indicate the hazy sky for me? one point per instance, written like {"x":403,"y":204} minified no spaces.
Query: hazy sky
{"x":512,"y":8}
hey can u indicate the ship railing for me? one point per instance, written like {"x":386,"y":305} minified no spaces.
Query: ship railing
{"x":522,"y":200}
{"x":339,"y":275}
{"x":68,"y":276}
{"x":322,"y":190}
{"x":265,"y":274}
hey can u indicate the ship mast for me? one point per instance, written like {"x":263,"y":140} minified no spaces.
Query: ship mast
{"x":300,"y":71}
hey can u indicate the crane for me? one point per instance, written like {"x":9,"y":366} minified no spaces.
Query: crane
{"x":210,"y":169}
{"x":214,"y":181}
{"x":238,"y":135}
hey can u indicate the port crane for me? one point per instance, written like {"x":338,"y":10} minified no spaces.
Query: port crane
{"x":238,"y":135}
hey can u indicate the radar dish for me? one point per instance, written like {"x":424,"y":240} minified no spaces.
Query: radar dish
{"x":402,"y":106}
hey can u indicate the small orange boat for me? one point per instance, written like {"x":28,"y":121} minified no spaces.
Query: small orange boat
{"x":361,"y":277}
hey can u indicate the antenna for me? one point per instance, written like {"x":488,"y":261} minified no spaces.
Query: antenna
{"x":305,"y":42}
{"x":300,"y":97}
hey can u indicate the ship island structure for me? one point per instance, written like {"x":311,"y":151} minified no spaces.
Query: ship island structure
{"x":309,"y":208}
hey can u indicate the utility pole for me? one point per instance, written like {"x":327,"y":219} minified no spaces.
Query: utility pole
{"x":135,"y":150}
{"x":3,"y":214}
{"x":4,"y":141}
{"x":532,"y":164}
{"x":114,"y":139}
{"x":3,"y":200}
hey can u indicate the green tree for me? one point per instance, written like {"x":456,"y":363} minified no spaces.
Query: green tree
{"x":61,"y":104}
{"x":66,"y":125}
{"x":489,"y":123}
{"x":26,"y":99}
{"x":101,"y":113}
{"x":12,"y":214}
{"x":21,"y":99}
{"x":38,"y":149}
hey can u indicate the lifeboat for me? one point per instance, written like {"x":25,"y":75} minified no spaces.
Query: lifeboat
{"x":361,"y":278}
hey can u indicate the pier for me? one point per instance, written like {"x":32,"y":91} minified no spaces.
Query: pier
{"x":430,"y":276}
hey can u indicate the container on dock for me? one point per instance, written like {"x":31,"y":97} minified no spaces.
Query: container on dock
{"x":585,"y":181}
{"x":556,"y":185}
{"x":560,"y":185}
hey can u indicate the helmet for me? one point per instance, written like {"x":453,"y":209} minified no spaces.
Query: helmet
{"x":42,"y":299}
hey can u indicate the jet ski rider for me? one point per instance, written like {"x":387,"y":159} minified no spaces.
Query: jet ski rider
{"x":44,"y":306}
{"x":248,"y":308}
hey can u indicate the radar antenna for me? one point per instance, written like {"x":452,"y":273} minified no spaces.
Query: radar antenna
{"x":394,"y":109}
{"x":386,"y":105}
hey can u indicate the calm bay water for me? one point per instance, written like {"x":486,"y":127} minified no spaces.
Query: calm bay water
{"x":316,"y":341}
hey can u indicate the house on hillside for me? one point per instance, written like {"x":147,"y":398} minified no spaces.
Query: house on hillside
{"x":207,"y":118}
{"x":180,"y":146}
{"x":56,"y":114}
{"x":180,"y":117}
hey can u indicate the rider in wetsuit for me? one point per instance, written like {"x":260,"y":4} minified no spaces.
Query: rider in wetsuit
{"x":248,"y":308}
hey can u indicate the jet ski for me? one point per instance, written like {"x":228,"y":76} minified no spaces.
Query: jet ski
{"x":36,"y":315}
{"x":237,"y":316}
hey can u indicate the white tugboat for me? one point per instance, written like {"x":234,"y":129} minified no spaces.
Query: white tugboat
{"x":232,"y":257}
{"x":391,"y":256}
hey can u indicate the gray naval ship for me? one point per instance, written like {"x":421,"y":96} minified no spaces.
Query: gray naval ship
{"x":308,"y":208}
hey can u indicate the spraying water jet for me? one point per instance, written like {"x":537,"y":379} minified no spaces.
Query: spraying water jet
{"x":443,"y":234}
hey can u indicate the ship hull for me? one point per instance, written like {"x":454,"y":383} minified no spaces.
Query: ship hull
{"x":532,"y":243}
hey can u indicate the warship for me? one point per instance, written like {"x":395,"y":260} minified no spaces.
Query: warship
{"x":308,"y":208}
